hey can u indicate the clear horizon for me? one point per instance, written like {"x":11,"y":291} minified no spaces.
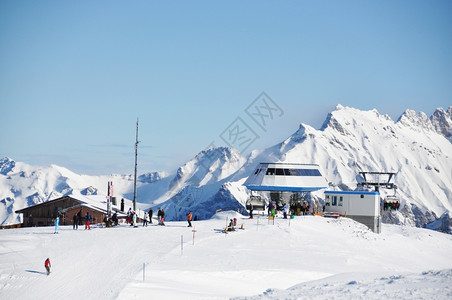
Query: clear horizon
{"x":75,"y":76}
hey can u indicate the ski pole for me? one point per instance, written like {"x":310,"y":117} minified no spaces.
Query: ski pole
{"x":181,"y":245}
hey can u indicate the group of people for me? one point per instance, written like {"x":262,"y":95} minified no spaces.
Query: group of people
{"x":132,"y":218}
{"x":111,"y":220}
{"x":161,"y":216}
{"x":391,"y":205}
{"x":232,"y":224}
{"x":77,"y":220}
{"x":298,"y":208}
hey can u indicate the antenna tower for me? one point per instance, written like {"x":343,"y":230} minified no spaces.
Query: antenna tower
{"x":135,"y":176}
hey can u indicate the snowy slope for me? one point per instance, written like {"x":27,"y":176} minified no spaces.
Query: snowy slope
{"x":308,"y":257}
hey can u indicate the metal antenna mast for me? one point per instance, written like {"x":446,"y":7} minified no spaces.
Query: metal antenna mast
{"x":135,"y":177}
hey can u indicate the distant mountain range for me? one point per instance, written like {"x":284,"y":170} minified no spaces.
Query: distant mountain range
{"x":416,"y":147}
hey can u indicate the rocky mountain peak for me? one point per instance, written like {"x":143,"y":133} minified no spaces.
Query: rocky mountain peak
{"x":442,"y":122}
{"x":6,"y":165}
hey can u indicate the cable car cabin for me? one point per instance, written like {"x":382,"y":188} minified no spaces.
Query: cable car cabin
{"x":285,"y":177}
{"x":391,"y":203}
{"x":257,"y":201}
{"x":361,"y":206}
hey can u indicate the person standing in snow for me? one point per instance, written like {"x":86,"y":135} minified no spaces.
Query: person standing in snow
{"x":162,"y":217}
{"x":115,"y":218}
{"x":159,"y":216}
{"x":189,"y":216}
{"x":57,"y":223}
{"x":88,"y":219}
{"x":47,"y":265}
{"x":251,"y":210}
{"x":30,"y":221}
{"x":134,"y":219}
{"x":285,"y":210}
{"x":75,"y":222}
{"x":150,"y":215}
{"x":79,"y":217}
{"x":129,"y":216}
{"x":145,"y":220}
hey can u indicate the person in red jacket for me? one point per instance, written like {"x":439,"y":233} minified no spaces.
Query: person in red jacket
{"x":189,"y":219}
{"x":47,"y":265}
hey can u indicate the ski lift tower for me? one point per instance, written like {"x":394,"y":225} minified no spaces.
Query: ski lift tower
{"x":389,"y":202}
{"x":374,"y":180}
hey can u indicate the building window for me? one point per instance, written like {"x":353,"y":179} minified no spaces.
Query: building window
{"x":292,"y":172}
{"x":334,"y":202}
{"x":279,"y":171}
{"x":340,"y":201}
{"x":270,"y":171}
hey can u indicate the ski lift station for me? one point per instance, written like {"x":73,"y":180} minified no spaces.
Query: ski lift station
{"x":286,"y":182}
{"x":361,"y":206}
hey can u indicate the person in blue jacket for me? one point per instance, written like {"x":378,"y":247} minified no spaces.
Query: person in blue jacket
{"x":88,"y":219}
{"x":57,"y":222}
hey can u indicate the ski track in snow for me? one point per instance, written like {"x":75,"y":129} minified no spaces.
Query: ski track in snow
{"x":304,"y":258}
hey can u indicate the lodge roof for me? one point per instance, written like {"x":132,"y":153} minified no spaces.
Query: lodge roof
{"x":94,"y":202}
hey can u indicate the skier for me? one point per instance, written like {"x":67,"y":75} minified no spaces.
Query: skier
{"x":145,"y":220}
{"x":47,"y":265}
{"x":57,"y":222}
{"x":189,"y":216}
{"x":230,"y":226}
{"x":88,"y":218}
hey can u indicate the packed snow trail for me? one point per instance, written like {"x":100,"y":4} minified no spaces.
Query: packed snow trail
{"x":107,"y":263}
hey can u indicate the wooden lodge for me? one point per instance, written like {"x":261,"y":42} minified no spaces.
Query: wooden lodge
{"x":44,"y":214}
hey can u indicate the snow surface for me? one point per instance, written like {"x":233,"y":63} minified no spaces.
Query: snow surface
{"x":308,"y":257}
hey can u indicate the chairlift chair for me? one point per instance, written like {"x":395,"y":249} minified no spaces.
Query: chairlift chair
{"x":391,"y":203}
{"x":257,"y":201}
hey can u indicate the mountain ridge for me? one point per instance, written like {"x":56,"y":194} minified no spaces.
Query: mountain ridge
{"x":418,"y":148}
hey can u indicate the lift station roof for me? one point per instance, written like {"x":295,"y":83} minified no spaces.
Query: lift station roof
{"x":286,"y":177}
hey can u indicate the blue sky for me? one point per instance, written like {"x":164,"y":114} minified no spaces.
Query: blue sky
{"x":75,"y":75}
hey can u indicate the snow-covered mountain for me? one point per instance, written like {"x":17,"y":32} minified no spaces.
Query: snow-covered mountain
{"x":416,"y":147}
{"x":198,"y":184}
{"x":22,"y":185}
